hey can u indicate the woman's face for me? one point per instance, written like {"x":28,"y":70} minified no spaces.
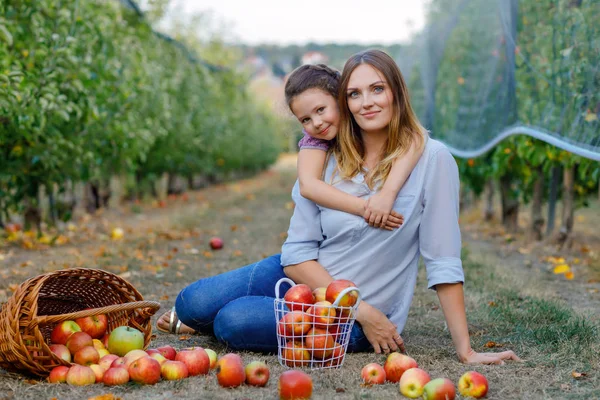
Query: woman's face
{"x":318,"y":112}
{"x":370,"y":99}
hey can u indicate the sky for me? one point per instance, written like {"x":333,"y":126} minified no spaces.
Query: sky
{"x":323,"y":21}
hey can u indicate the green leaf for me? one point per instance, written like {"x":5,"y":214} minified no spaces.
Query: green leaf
{"x":5,"y":36}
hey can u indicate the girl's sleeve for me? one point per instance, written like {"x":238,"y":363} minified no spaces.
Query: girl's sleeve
{"x":304,"y":234}
{"x":439,"y":232}
{"x":309,"y":142}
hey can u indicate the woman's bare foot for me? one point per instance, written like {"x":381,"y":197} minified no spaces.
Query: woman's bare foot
{"x":169,"y":323}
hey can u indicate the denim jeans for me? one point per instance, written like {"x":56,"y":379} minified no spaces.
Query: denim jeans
{"x":238,"y":308}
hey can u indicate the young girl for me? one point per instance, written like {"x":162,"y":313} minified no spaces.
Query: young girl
{"x":311,"y":94}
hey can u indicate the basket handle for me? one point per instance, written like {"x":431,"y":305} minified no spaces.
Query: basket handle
{"x":279,"y":282}
{"x":47,"y":319}
{"x":344,"y":292}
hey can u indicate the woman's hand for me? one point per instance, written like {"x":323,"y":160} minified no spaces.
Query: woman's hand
{"x":378,"y":209}
{"x":473,"y":357}
{"x":379,"y":330}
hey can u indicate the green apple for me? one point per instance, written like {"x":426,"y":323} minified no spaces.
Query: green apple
{"x":124,"y":339}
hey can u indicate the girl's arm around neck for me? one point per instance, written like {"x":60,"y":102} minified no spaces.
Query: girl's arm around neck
{"x":310,"y":170}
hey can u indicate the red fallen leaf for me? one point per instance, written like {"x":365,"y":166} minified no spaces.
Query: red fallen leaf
{"x":492,"y":304}
{"x":233,"y":228}
{"x":164,"y":297}
{"x":185,"y":337}
{"x":578,"y":375}
{"x":492,"y":344}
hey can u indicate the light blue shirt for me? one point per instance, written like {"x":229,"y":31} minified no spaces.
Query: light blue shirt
{"x":383,"y":264}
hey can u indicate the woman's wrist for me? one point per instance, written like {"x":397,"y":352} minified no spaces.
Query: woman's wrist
{"x":464,"y":352}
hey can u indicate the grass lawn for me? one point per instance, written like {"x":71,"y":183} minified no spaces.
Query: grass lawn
{"x":513,"y":300}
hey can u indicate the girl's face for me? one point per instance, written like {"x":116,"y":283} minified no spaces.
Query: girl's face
{"x":370,"y":99}
{"x":318,"y":112}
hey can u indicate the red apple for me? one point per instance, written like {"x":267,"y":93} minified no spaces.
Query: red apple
{"x":212,"y":356}
{"x":86,"y":356}
{"x":118,"y":362}
{"x":336,"y":287}
{"x":106,"y":361}
{"x":294,"y":354}
{"x":439,"y":389}
{"x":80,"y":375}
{"x":123,"y":339}
{"x":78,"y":341}
{"x":373,"y":374}
{"x":337,"y":356}
{"x":58,"y":374}
{"x":412,"y":382}
{"x":319,"y":343}
{"x":116,"y":376}
{"x":257,"y":373}
{"x":473,"y":384}
{"x":216,"y":243}
{"x":99,"y":371}
{"x":12,"y":228}
{"x":319,"y":294}
{"x":395,"y":365}
{"x":196,"y":361}
{"x":144,"y":370}
{"x":294,"y":324}
{"x":167,"y":351}
{"x":104,"y":340}
{"x":322,"y":314}
{"x":133,"y":355}
{"x":159,"y":357}
{"x":295,"y":385}
{"x":173,"y":370}
{"x":299,"y":298}
{"x":61,"y":351}
{"x":230,"y":370}
{"x":61,"y":332}
{"x":94,"y":325}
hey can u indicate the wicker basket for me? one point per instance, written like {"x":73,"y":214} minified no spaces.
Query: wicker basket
{"x":29,"y":316}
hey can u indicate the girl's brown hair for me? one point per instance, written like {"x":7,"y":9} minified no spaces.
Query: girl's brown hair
{"x":404,"y":127}
{"x":305,"y":77}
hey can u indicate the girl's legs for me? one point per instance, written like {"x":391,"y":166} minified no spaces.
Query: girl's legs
{"x":197,"y":305}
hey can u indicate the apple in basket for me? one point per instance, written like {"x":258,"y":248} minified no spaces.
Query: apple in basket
{"x":61,"y":351}
{"x":94,"y":325}
{"x":319,"y":343}
{"x":294,"y":354}
{"x":319,"y":294}
{"x":298,"y":298}
{"x":61,"y":332}
{"x":78,"y":341}
{"x":87,"y":355}
{"x":322,"y":314}
{"x":295,"y":324}
{"x":336,"y":287}
{"x":123,"y":339}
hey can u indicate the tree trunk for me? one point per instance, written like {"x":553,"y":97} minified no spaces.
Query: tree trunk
{"x":510,"y":205}
{"x":488,"y":212}
{"x":537,"y":220}
{"x":565,"y":232}
{"x":552,"y":196}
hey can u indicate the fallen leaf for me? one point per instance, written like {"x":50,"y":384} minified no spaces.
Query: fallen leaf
{"x":561,"y":269}
{"x":492,"y":304}
{"x":340,"y":390}
{"x":164,"y":297}
{"x":578,"y":375}
{"x":233,"y":228}
{"x":569,"y":275}
{"x":237,"y":253}
{"x":207,"y":254}
{"x":185,"y":337}
{"x":107,"y":396}
{"x":492,"y":344}
{"x":250,"y":196}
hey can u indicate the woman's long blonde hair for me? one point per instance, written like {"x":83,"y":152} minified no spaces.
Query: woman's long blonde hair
{"x":404,"y":128}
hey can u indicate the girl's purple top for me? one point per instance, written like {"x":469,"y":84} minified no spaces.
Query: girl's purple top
{"x":309,"y":142}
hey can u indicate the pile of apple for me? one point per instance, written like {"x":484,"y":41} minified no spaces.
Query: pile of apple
{"x":312,"y":331}
{"x":415,"y":382}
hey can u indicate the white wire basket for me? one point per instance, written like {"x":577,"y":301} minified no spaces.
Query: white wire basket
{"x":316,"y":335}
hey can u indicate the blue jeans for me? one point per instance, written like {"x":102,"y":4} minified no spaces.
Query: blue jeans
{"x":238,"y":308}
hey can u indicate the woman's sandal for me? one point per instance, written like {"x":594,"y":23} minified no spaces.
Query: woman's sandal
{"x":174,"y":323}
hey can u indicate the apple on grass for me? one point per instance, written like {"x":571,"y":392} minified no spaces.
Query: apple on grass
{"x":94,"y":325}
{"x":159,"y":357}
{"x":61,"y":332}
{"x":294,"y":384}
{"x":166,"y":351}
{"x":81,"y":375}
{"x":196,"y":361}
{"x":99,"y":371}
{"x":144,"y":370}
{"x":395,"y":365}
{"x":116,"y":376}
{"x":173,"y":370}
{"x":58,"y":374}
{"x":373,"y":374}
{"x":216,"y":243}
{"x":212,"y":356}
{"x":299,"y":298}
{"x":78,"y":341}
{"x":439,"y":389}
{"x":257,"y":373}
{"x":123,"y":339}
{"x":230,"y":370}
{"x":133,"y":355}
{"x":413,"y":381}
{"x":86,"y":356}
{"x":118,"y":362}
{"x":473,"y":384}
{"x":61,"y":351}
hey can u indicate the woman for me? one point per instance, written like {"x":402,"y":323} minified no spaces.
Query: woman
{"x":376,"y":125}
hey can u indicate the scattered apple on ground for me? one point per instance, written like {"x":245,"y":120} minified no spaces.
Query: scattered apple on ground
{"x":257,"y":373}
{"x":116,"y":376}
{"x":216,"y":243}
{"x":99,"y":371}
{"x":212,"y":356}
{"x":144,"y":370}
{"x":413,"y":381}
{"x":173,"y":370}
{"x":373,"y":374}
{"x":196,"y":361}
{"x":473,"y":384}
{"x":294,"y":384}
{"x":395,"y":365}
{"x":439,"y":389}
{"x":230,"y":370}
{"x":80,"y":375}
{"x":58,"y":374}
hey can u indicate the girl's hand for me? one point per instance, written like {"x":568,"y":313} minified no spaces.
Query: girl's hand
{"x":379,"y":330}
{"x":473,"y":357}
{"x":378,"y":209}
